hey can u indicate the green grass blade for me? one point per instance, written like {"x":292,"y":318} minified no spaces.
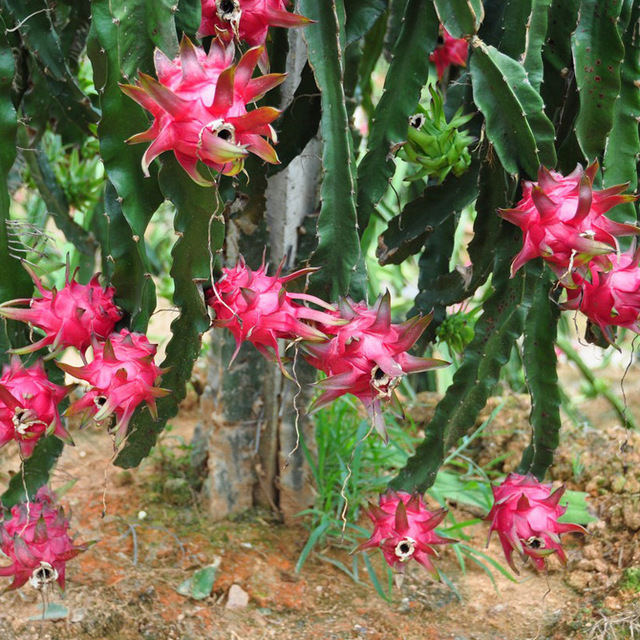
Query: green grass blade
{"x":316,"y":534}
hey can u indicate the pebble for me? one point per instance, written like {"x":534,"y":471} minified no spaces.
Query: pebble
{"x":238,"y":598}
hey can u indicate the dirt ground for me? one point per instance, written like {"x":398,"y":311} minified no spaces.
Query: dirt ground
{"x":125,"y":586}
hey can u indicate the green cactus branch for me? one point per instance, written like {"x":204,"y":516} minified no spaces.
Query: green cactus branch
{"x":198,"y":219}
{"x":540,"y":363}
{"x":338,"y":251}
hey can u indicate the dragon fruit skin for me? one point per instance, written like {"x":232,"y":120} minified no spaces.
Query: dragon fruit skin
{"x":562,"y":220}
{"x":256,"y":307}
{"x":199,"y":105}
{"x":69,"y":317}
{"x":121,"y":376}
{"x":450,"y":51}
{"x":404,"y":530}
{"x":525,"y":514}
{"x":36,"y":540}
{"x":612,"y":298}
{"x":367,"y":356}
{"x":29,"y":406}
{"x":248,"y":20}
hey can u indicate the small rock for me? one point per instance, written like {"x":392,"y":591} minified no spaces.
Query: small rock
{"x":498,"y":609}
{"x":612,"y":603}
{"x":579,"y":580}
{"x":77,"y":615}
{"x":142,"y":515}
{"x":631,"y":515}
{"x":238,"y":598}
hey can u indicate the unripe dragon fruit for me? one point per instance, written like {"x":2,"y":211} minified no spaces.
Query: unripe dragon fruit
{"x":525,"y":514}
{"x":37,"y":542}
{"x":367,"y":356}
{"x":562,"y":220}
{"x":122,"y":375}
{"x":256,"y":307}
{"x":199,"y":103}
{"x":449,"y":51}
{"x":69,"y":317}
{"x":612,"y":298}
{"x":437,"y":147}
{"x":404,"y":529}
{"x":247,"y":20}
{"x":29,"y":406}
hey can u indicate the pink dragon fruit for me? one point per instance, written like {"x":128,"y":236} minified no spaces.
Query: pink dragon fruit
{"x":525,"y":514}
{"x":256,"y":307}
{"x":29,"y":406}
{"x":449,"y":51}
{"x":367,"y":356}
{"x":247,"y":20}
{"x":121,"y":376}
{"x":69,"y":317}
{"x":405,"y":529}
{"x":562,"y":220}
{"x":610,"y":299}
{"x":36,"y":539}
{"x":199,"y":103}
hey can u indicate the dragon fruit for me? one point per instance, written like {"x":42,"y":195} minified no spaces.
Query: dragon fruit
{"x":36,"y":539}
{"x":367,"y":356}
{"x":562,"y":220}
{"x":449,"y":51}
{"x":199,"y":103}
{"x":69,"y":317}
{"x":525,"y":514}
{"x":247,"y":20}
{"x":29,"y":406}
{"x":256,"y":307}
{"x":612,"y":298}
{"x":121,"y":376}
{"x":404,"y":529}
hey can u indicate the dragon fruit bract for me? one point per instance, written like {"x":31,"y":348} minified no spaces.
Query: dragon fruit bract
{"x":29,"y":406}
{"x":404,"y":530}
{"x":36,"y":539}
{"x":199,"y":103}
{"x":449,"y":51}
{"x":367,"y":356}
{"x":562,"y":220}
{"x":256,"y":307}
{"x":122,"y":375}
{"x":525,"y":514}
{"x":69,"y":317}
{"x":610,"y":299}
{"x":248,"y":20}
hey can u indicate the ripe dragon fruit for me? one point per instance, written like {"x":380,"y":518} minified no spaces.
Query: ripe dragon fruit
{"x":247,"y":20}
{"x":562,"y":220}
{"x":29,"y":406}
{"x":525,"y":514}
{"x":69,"y":317}
{"x":367,"y":356}
{"x":256,"y":307}
{"x":36,"y":539}
{"x":199,"y":103}
{"x":404,"y":529}
{"x":610,"y":299}
{"x":449,"y":51}
{"x":121,"y":375}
